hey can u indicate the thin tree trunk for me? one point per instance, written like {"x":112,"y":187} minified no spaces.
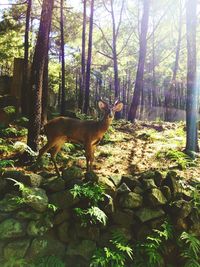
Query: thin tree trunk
{"x":37,"y":74}
{"x":63,"y":92}
{"x":142,"y":56}
{"x":82,"y":87}
{"x":25,"y":83}
{"x":89,"y":59}
{"x":191,"y":105}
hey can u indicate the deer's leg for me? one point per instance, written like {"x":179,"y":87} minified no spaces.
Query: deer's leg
{"x":44,"y":149}
{"x":54,"y":152}
{"x":89,"y":153}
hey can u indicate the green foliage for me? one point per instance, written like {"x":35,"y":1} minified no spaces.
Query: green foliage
{"x":92,"y":192}
{"x":92,"y":215}
{"x":23,"y":122}
{"x":13,"y":132}
{"x":190,"y":245}
{"x":13,"y":262}
{"x":114,"y":255}
{"x":150,"y":252}
{"x":49,"y":261}
{"x":6,"y":163}
{"x":181,"y":159}
{"x":22,"y":187}
{"x":196,"y":200}
{"x":10,"y":110}
{"x":52,"y":207}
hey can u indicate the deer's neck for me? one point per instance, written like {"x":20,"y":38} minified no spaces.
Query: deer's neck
{"x":105,"y":123}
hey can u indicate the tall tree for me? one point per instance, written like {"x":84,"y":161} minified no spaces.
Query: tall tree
{"x":63,"y":92}
{"x":82,"y":84}
{"x":142,"y":55}
{"x":89,"y":60}
{"x":192,"y":95}
{"x":25,"y":83}
{"x":37,"y":72}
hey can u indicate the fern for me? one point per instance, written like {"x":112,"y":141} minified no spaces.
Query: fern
{"x":150,"y":252}
{"x":93,"y":192}
{"x":191,"y":249}
{"x":50,"y":261}
{"x":115,"y":255}
{"x":92,"y":215}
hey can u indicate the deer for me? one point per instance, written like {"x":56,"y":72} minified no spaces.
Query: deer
{"x":86,"y":132}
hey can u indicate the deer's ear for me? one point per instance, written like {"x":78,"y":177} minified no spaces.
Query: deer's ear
{"x":118,"y":106}
{"x":102,"y":105}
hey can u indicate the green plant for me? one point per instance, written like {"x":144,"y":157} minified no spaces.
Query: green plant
{"x":13,"y":132}
{"x":115,"y":255}
{"x":180,"y":158}
{"x":92,"y":192}
{"x":13,"y":262}
{"x":6,"y":163}
{"x":10,"y":110}
{"x":190,"y":245}
{"x":150,"y":252}
{"x":52,"y":207}
{"x":49,"y":261}
{"x":92,"y":215}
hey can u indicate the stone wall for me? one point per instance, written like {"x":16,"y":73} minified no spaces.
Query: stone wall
{"x":30,"y":228}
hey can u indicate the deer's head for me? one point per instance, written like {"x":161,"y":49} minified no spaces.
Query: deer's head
{"x":110,"y":110}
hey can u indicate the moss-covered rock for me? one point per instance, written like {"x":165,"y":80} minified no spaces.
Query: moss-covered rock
{"x":147,"y":214}
{"x":131,"y":201}
{"x":36,"y":198}
{"x":84,"y":248}
{"x":16,"y":249}
{"x":10,"y":203}
{"x":72,"y":173}
{"x":63,"y":232}
{"x":11,"y":228}
{"x":54,"y":184}
{"x":38,"y":228}
{"x":156,"y":197}
{"x":63,"y":199}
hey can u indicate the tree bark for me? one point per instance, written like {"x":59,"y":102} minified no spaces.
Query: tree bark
{"x":25,"y":83}
{"x":82,"y":87}
{"x":63,"y":92}
{"x":89,"y":59}
{"x":37,"y":74}
{"x":141,"y":62}
{"x":192,"y":95}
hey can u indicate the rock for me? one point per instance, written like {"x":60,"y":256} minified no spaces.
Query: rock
{"x":158,"y":178}
{"x":109,"y":207}
{"x":181,"y":208}
{"x":91,"y":177}
{"x":131,"y":201}
{"x":11,"y":228}
{"x":148,"y":184}
{"x":147,"y":214}
{"x":72,"y":173}
{"x":36,"y":198}
{"x":45,"y":246}
{"x":123,"y":188}
{"x":181,"y":224}
{"x":195,"y":228}
{"x":63,"y":215}
{"x":156,"y":197}
{"x":116,"y":179}
{"x":31,"y":179}
{"x":124,"y":218}
{"x":63,"y":232}
{"x":171,"y":181}
{"x":131,"y":181}
{"x":36,"y":228}
{"x":16,"y":175}
{"x":138,"y":190}
{"x":3,"y":184}
{"x":108,"y":185}
{"x":84,"y":248}
{"x":63,"y":199}
{"x":16,"y":249}
{"x":166,"y":192}
{"x":28,"y":214}
{"x":89,"y":232}
{"x":54,"y":184}
{"x":10,"y":203}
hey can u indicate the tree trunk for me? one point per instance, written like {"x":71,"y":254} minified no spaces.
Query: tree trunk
{"x":82,"y":87}
{"x":142,"y":55}
{"x":63,"y":92}
{"x":25,"y":83}
{"x":192,"y":95}
{"x":45,"y":91}
{"x":89,"y":59}
{"x":37,"y":75}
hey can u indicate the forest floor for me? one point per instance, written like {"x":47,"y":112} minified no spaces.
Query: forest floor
{"x":126,"y":149}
